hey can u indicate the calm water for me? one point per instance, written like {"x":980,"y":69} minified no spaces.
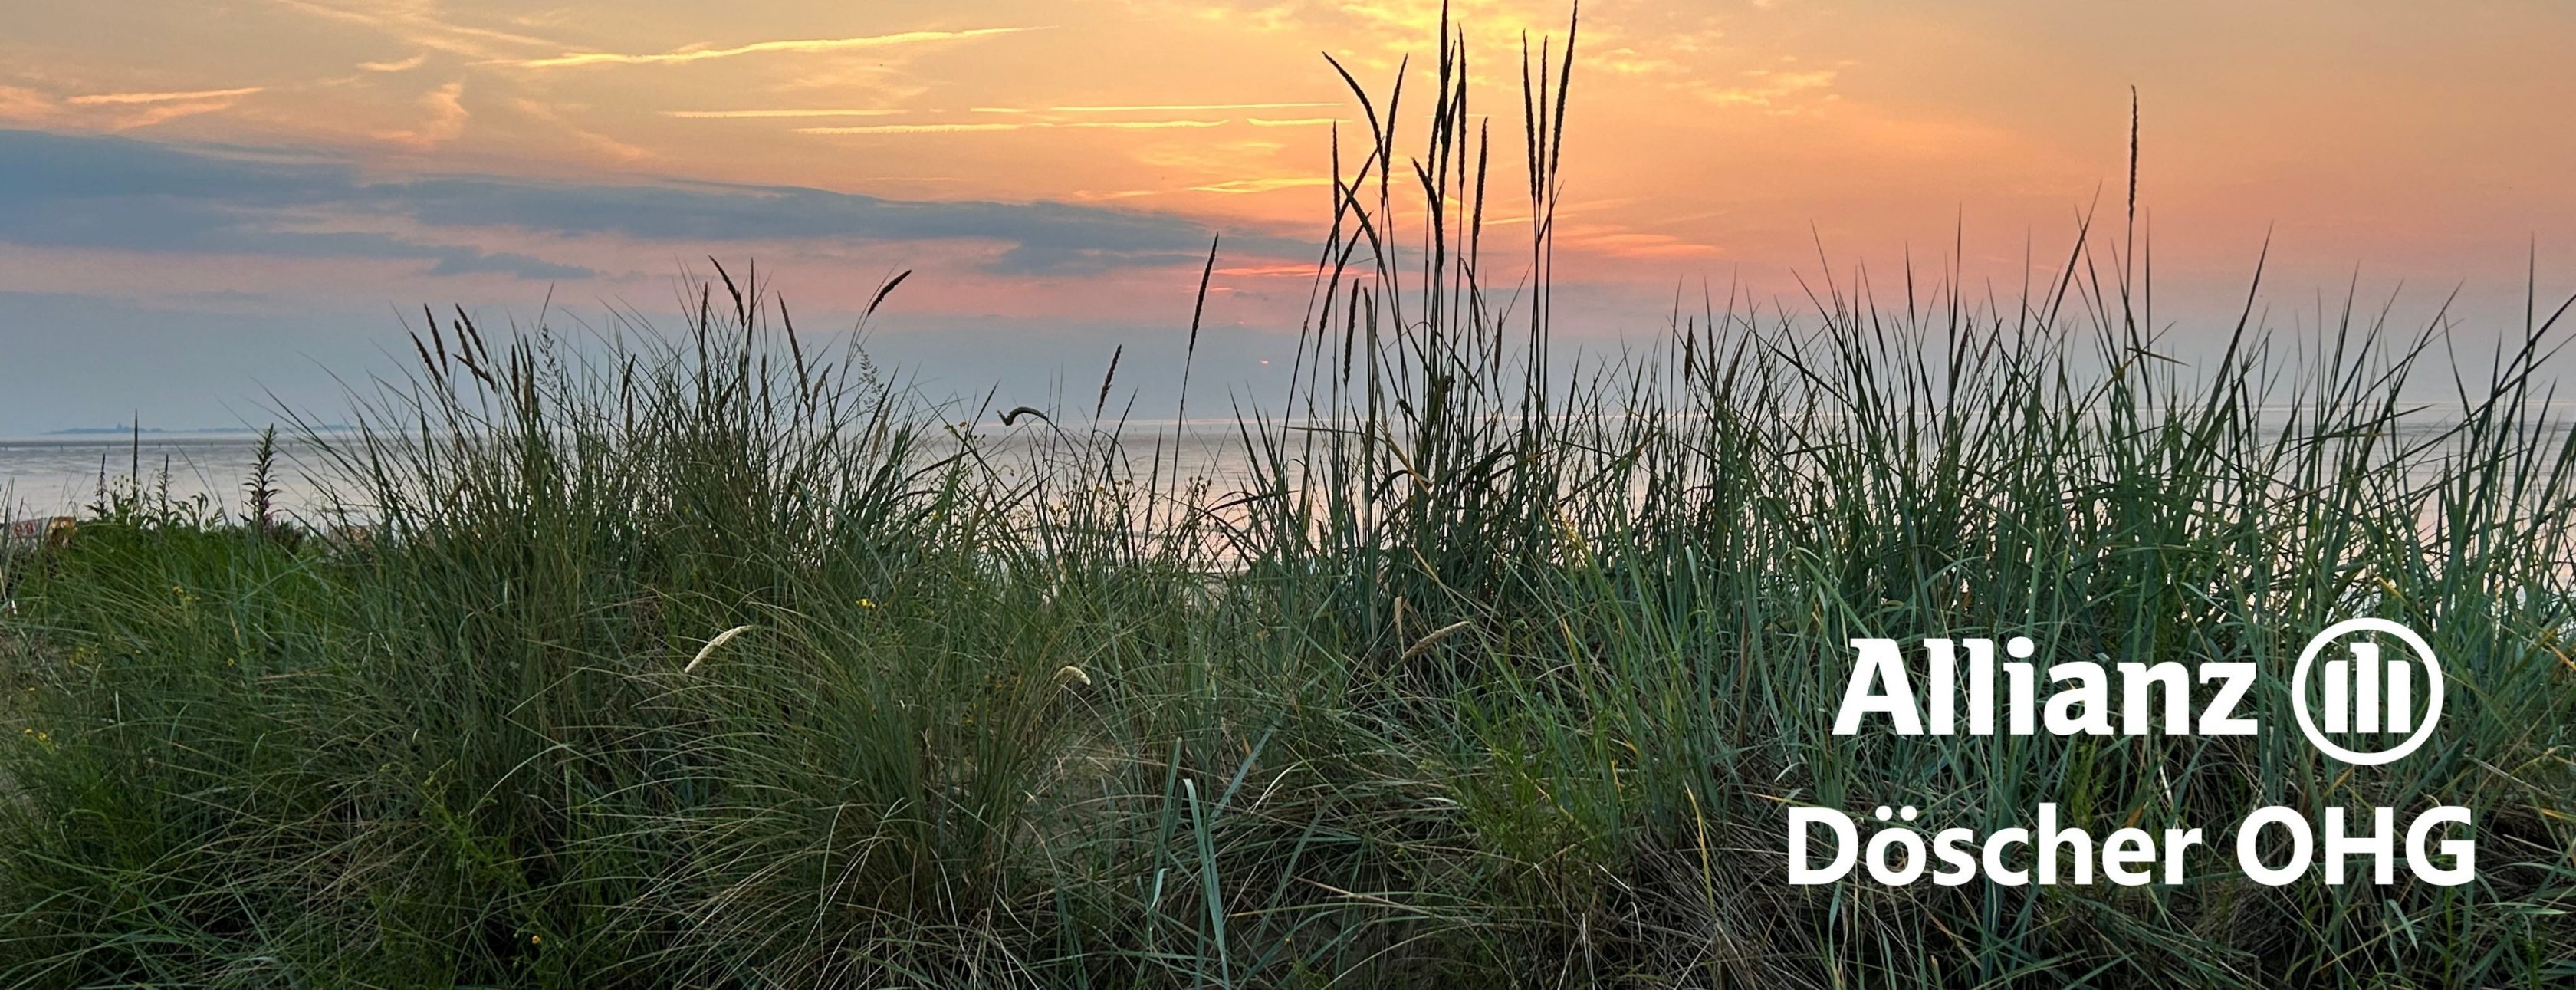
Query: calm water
{"x":42,"y":476}
{"x":61,"y":476}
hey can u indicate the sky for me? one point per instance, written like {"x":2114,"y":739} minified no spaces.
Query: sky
{"x":211,"y":208}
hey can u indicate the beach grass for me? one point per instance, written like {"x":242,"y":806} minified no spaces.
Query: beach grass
{"x":716,"y":659}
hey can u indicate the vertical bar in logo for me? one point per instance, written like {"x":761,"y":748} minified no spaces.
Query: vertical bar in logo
{"x":2365,"y":688}
{"x":2401,"y":696}
{"x":2338,"y":685}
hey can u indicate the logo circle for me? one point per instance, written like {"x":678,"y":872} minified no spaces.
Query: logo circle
{"x":2335,"y":633}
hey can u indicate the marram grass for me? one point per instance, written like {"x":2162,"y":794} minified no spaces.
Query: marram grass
{"x":719,"y":662}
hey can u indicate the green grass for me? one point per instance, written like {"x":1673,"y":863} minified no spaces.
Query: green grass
{"x":1482,"y":679}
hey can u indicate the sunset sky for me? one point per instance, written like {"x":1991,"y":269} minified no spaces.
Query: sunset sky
{"x":203,"y":203}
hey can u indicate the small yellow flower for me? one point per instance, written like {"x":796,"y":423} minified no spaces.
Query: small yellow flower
{"x":536,"y":940}
{"x":867,"y":603}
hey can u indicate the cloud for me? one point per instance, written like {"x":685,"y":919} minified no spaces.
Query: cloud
{"x":123,"y":194}
{"x":159,"y":112}
{"x":1232,"y":187}
{"x":1778,"y":91}
{"x":404,"y":65}
{"x":911,"y":128}
{"x":974,"y":127}
{"x":802,"y":46}
{"x":113,"y":111}
{"x":1261,"y":185}
{"x":1117,"y":125}
{"x":740,"y":114}
{"x":416,"y":24}
{"x":1138,"y":125}
{"x":201,"y":95}
{"x":1630,"y":62}
{"x":1048,"y":238}
{"x":1155,"y":108}
{"x":21,"y":104}
{"x":594,"y":140}
{"x":447,"y":116}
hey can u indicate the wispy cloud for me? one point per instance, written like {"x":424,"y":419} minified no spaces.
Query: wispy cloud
{"x":1292,"y":121}
{"x":751,"y":114}
{"x":1240,"y":186}
{"x":191,"y":96}
{"x":1134,"y":125}
{"x":403,"y":65}
{"x":25,"y":105}
{"x":1154,"y":108}
{"x":595,"y":140}
{"x":802,"y":45}
{"x":447,"y":116}
{"x":1631,"y":62}
{"x":113,"y":111}
{"x":1780,"y":92}
{"x":416,"y":24}
{"x":1032,"y":125}
{"x":1290,"y":270}
{"x":1620,"y":243}
{"x":969,"y":127}
{"x":910,"y":128}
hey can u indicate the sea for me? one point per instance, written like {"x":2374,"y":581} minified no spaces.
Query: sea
{"x":69,"y":474}
{"x":65,"y":474}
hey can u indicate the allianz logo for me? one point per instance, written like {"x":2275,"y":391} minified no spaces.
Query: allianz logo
{"x":2356,"y":699}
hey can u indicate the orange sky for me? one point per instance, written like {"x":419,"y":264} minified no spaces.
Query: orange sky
{"x":1709,"y":141}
